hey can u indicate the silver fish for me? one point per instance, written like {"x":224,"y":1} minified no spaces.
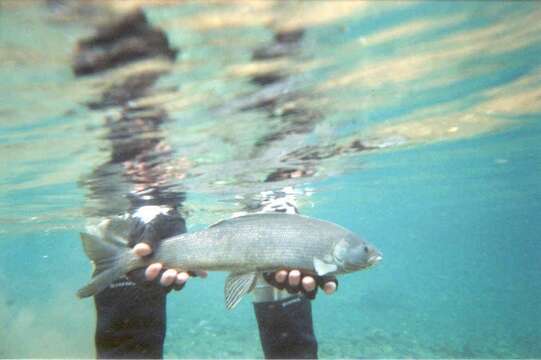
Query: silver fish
{"x":244,"y":246}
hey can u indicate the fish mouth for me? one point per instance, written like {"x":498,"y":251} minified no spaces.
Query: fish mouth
{"x":374,"y":259}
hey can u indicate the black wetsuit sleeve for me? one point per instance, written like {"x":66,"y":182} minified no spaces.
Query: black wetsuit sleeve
{"x":286,"y":329}
{"x":131,"y":319}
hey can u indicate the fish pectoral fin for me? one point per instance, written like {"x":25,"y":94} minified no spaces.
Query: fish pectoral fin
{"x":236,"y":286}
{"x":323,"y":268}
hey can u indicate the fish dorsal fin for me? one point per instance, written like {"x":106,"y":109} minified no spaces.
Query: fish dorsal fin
{"x":323,"y":268}
{"x":218,"y":223}
{"x":250,"y":217}
{"x":236,"y":286}
{"x":234,"y":220}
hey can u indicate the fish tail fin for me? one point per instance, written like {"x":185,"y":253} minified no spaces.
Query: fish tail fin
{"x":110,"y":254}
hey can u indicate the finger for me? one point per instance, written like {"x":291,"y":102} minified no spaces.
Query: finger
{"x":182,"y":277}
{"x":308,"y":283}
{"x":294,"y":278}
{"x":142,"y":249}
{"x":329,"y":287}
{"x":270,"y":277}
{"x":152,"y":271}
{"x":280,"y":276}
{"x":168,"y":277}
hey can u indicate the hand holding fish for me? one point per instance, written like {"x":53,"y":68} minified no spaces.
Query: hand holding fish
{"x":295,"y":281}
{"x":168,"y":277}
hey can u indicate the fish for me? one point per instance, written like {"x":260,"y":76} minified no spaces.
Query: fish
{"x":244,"y":246}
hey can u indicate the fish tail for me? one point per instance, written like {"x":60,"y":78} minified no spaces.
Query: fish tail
{"x":110,"y":254}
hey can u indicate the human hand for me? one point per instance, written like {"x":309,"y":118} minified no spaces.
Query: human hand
{"x":168,"y":278}
{"x":295,"y":281}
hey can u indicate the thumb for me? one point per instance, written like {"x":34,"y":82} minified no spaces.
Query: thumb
{"x":142,"y":249}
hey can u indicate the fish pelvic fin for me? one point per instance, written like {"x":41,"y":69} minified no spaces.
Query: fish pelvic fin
{"x":236,"y":286}
{"x":109,"y":253}
{"x":323,"y":268}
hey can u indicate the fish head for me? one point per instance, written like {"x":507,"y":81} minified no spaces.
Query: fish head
{"x":352,"y":253}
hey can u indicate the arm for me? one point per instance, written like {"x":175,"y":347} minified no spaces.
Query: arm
{"x":131,"y":313}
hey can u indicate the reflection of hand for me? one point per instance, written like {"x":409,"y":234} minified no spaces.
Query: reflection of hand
{"x":295,"y":281}
{"x":167,"y":278}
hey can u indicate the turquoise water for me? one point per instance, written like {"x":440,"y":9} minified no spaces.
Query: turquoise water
{"x":449,"y":92}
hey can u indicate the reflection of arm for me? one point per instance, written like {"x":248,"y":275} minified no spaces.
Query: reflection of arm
{"x":284,"y":319}
{"x":131,"y":319}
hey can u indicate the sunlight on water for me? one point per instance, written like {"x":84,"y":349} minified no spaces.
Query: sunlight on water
{"x":415,"y":124}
